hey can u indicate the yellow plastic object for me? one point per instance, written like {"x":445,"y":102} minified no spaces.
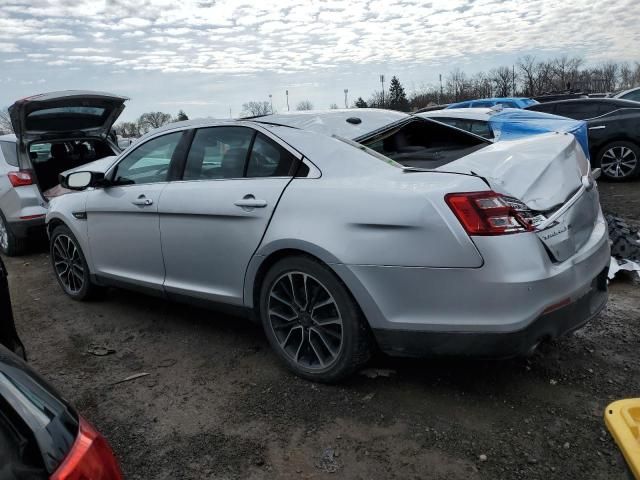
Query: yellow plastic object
{"x":623,"y":421}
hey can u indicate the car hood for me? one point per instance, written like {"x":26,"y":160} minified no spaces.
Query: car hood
{"x":68,"y":114}
{"x":543,"y":171}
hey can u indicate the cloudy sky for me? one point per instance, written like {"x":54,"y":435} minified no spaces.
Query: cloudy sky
{"x":208,"y":57}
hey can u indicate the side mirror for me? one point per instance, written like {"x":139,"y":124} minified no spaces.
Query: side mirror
{"x":82,"y":180}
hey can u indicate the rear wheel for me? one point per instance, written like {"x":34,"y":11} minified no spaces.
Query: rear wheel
{"x":311,"y":321}
{"x":10,"y":245}
{"x":69,"y":264}
{"x":619,"y":161}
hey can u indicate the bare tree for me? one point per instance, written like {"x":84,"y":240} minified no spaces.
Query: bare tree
{"x":150,"y":120}
{"x":304,"y":105}
{"x":5,"y":121}
{"x":457,"y":85}
{"x":256,"y":109}
{"x":127,"y":129}
{"x":333,"y":106}
{"x":377,"y":100}
{"x":502,"y":78}
{"x":527,"y":67}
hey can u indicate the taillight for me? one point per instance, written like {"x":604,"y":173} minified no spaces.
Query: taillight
{"x":20,"y":178}
{"x":486,"y":213}
{"x":90,"y":458}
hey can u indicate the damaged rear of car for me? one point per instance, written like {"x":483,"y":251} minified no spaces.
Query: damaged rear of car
{"x":537,"y":226}
{"x":54,"y":132}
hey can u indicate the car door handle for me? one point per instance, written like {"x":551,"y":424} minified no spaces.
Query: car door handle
{"x":249,"y":201}
{"x":599,"y":127}
{"x":142,"y":201}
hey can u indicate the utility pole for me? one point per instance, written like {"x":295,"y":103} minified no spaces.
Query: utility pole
{"x":271,"y":100}
{"x":346,"y":90}
{"x":382,"y":83}
{"x":440,"y":98}
{"x":287,"y":93}
{"x":230,"y":116}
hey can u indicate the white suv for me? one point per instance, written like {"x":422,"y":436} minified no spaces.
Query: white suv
{"x":54,"y":132}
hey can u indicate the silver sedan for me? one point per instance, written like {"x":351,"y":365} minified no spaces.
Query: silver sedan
{"x":417,"y":238}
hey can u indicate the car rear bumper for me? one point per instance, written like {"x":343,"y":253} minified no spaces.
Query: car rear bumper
{"x":503,"y":308}
{"x":28,"y":228}
{"x":550,"y":325}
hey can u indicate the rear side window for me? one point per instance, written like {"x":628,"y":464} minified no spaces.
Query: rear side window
{"x":10,"y":153}
{"x":218,"y":152}
{"x":578,"y":111}
{"x":268,"y":159}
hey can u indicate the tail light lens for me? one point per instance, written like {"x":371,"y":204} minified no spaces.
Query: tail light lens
{"x":20,"y":178}
{"x":90,"y":458}
{"x":486,"y":213}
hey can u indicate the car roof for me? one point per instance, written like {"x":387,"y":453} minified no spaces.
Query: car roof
{"x":8,"y":138}
{"x":347,"y":122}
{"x":617,"y":101}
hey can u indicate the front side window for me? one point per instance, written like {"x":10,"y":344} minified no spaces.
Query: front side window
{"x":149,"y":163}
{"x":268,"y":159}
{"x":218,"y":152}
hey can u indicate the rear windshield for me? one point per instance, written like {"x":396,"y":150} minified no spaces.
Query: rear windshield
{"x":66,"y":118}
{"x":10,"y":153}
{"x":424,"y":144}
{"x":96,"y":111}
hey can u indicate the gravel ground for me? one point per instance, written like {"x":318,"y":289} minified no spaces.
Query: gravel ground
{"x":216,"y":403}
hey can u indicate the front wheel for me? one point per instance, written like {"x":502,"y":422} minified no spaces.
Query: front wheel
{"x":619,"y":161}
{"x":69,"y":264}
{"x":311,"y":320}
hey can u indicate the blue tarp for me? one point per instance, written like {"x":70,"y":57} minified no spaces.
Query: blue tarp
{"x":513,"y":123}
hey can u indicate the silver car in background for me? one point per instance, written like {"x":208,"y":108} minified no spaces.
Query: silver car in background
{"x":55,"y":132}
{"x":346,"y":230}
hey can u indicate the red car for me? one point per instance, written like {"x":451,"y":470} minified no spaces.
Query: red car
{"x":41,"y":435}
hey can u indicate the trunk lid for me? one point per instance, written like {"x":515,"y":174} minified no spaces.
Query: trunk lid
{"x":548,"y":177}
{"x":68,"y":114}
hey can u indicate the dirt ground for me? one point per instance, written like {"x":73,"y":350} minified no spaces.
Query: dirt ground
{"x":217,"y":404}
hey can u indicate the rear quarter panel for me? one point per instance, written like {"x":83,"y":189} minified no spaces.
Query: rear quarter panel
{"x":397,"y":220}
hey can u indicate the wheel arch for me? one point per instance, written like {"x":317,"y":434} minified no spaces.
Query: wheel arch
{"x":268,"y":256}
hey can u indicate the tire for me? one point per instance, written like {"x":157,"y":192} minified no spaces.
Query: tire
{"x":65,"y":251}
{"x":10,"y":245}
{"x":318,"y":331}
{"x":619,"y":161}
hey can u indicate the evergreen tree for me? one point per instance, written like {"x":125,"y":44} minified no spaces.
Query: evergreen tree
{"x":181,"y":116}
{"x":360,"y":103}
{"x":397,"y":97}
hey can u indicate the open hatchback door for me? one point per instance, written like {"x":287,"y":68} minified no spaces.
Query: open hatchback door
{"x":61,"y":131}
{"x":72,"y":113}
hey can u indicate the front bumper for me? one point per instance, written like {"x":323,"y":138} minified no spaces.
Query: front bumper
{"x":553,"y":324}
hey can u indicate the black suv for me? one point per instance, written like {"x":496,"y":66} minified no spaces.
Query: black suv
{"x":614,"y":132}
